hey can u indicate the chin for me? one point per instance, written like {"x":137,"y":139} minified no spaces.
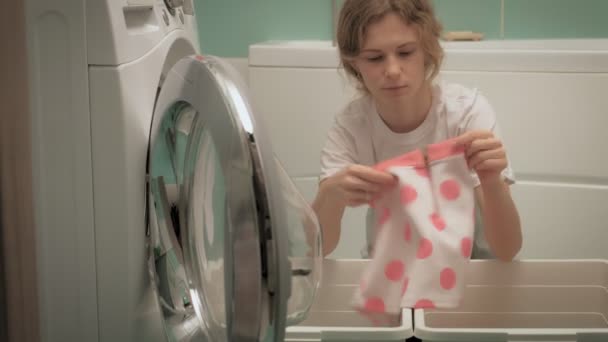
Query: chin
{"x":400,"y":93}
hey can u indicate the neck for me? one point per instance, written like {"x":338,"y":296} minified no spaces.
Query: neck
{"x":406,"y":114}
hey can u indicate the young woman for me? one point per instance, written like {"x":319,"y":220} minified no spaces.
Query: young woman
{"x":391,"y":49}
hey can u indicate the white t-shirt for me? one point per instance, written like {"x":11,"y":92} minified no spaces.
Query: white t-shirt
{"x":360,"y":136}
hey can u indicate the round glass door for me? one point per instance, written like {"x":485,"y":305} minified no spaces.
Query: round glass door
{"x":180,"y":199}
{"x":236,"y":251}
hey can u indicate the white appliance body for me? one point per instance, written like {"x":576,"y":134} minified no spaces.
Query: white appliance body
{"x":96,"y":67}
{"x":209,"y":243}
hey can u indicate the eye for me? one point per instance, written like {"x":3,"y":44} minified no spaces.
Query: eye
{"x":405,"y":53}
{"x":374,"y":58}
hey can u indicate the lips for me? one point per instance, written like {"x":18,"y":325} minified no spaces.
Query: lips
{"x":395,"y":87}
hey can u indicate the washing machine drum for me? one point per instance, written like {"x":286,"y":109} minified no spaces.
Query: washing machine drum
{"x":235,"y":250}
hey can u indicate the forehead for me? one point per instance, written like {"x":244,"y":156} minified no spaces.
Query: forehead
{"x":391,"y":30}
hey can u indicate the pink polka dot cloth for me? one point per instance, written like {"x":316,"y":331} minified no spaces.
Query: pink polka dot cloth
{"x":424,"y":234}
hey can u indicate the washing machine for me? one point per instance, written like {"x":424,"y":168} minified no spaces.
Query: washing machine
{"x":162,"y":213}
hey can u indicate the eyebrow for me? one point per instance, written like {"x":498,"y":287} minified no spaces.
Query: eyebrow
{"x":398,"y":47}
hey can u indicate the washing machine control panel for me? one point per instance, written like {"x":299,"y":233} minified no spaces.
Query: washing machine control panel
{"x":125,"y":30}
{"x":140,"y":2}
{"x":173,"y":4}
{"x":173,"y":12}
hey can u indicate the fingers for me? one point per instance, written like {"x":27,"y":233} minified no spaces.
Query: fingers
{"x":484,"y":155}
{"x":353,"y":183}
{"x":358,"y":191}
{"x":468,"y":137}
{"x":491,"y":164}
{"x":483,"y":144}
{"x":372,"y":176}
{"x":484,"y":152}
{"x":361,"y":184}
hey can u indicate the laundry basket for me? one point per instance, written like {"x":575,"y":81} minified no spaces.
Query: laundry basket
{"x":530,"y":300}
{"x":331,"y":317}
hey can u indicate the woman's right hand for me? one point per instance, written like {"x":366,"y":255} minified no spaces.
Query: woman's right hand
{"x":358,"y":184}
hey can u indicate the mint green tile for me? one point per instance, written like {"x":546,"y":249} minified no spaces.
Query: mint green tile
{"x":556,"y":19}
{"x":227,"y":27}
{"x":470,"y":15}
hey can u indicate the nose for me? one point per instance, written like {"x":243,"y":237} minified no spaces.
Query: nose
{"x":392,"y":68}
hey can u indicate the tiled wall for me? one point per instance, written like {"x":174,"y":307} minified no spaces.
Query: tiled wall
{"x":556,"y":18}
{"x":228,"y":27}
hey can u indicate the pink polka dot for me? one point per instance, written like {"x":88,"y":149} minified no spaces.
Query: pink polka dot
{"x":406,"y":282}
{"x":421,"y":171}
{"x":407,"y":232}
{"x":438,"y":221}
{"x":394,"y":270}
{"x":425,"y":249}
{"x":199,"y":57}
{"x":408,"y":194}
{"x":466,"y":246}
{"x":374,"y":304}
{"x":384,"y":217}
{"x":448,"y":278}
{"x":424,"y":304}
{"x":450,"y":189}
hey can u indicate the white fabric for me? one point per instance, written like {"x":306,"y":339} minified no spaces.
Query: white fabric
{"x":424,"y":235}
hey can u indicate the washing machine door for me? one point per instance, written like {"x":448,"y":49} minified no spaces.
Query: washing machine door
{"x":235,"y":250}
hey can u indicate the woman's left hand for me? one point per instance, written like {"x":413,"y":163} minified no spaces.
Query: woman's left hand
{"x":485,"y":154}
